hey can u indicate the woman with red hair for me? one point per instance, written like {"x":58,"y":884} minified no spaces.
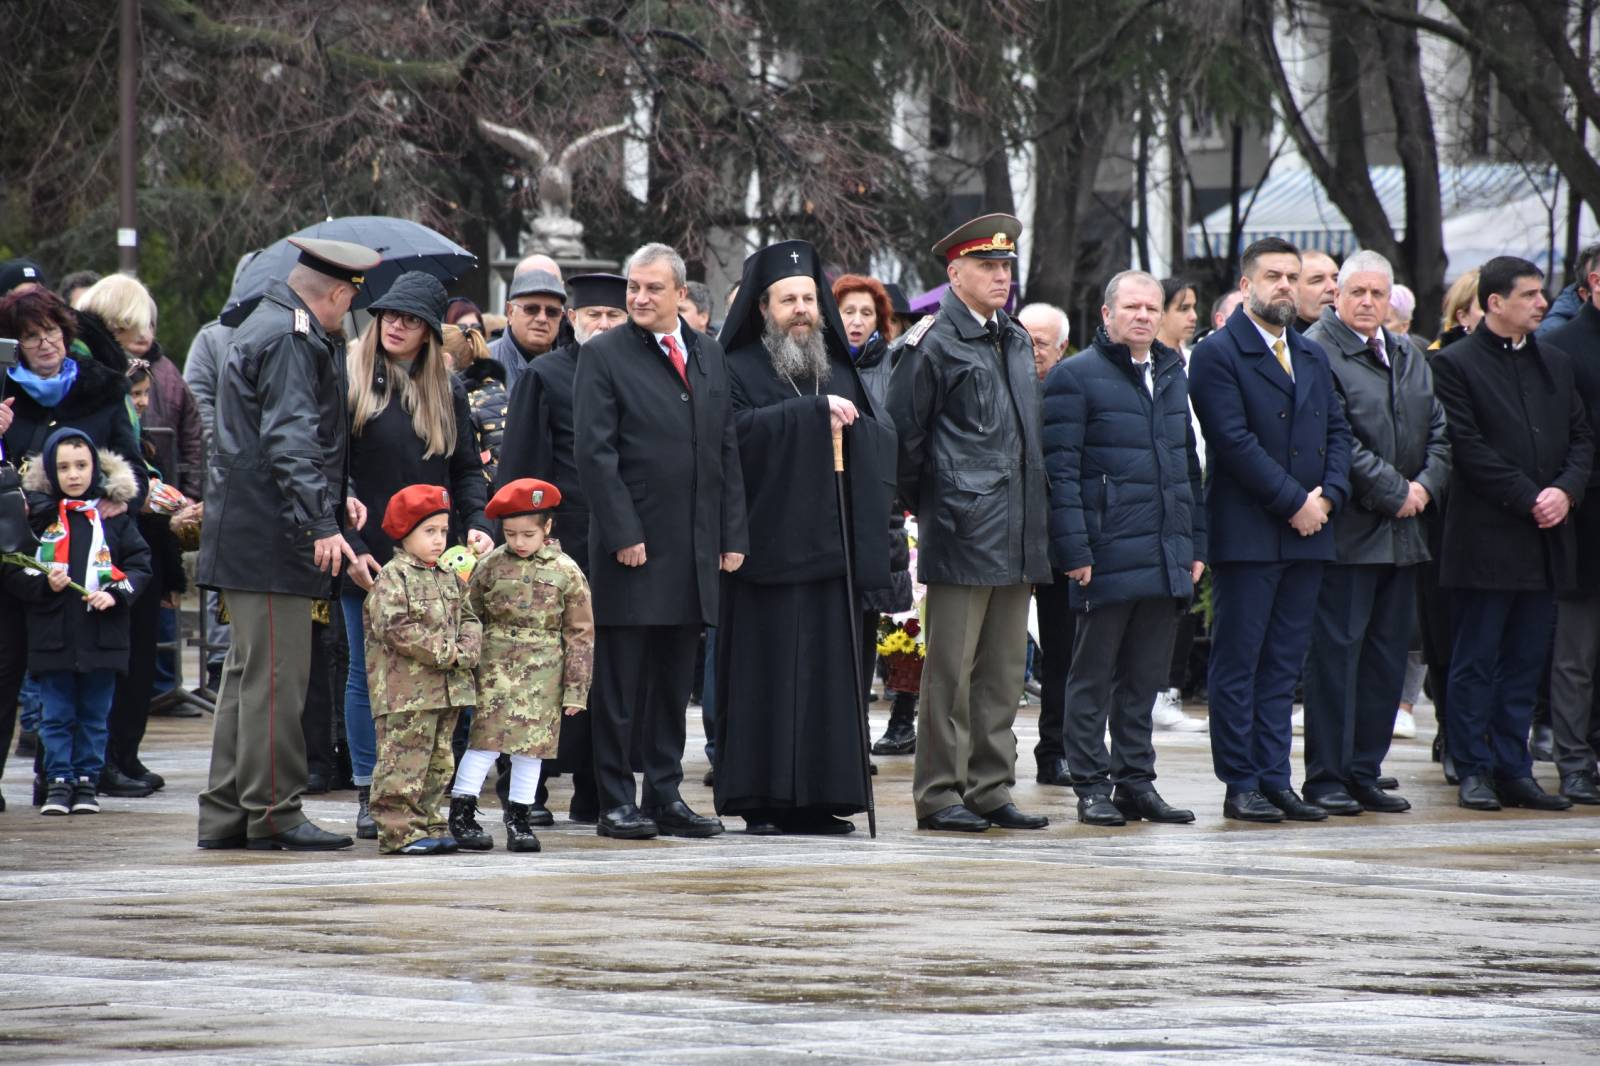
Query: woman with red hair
{"x":869,"y":326}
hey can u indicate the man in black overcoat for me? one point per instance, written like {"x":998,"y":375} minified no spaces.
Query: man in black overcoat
{"x":1522,"y":446}
{"x":659,"y":463}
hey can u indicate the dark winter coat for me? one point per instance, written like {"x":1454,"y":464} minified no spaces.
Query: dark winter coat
{"x":386,"y":456}
{"x":1124,"y":475}
{"x":971,"y":465}
{"x":1580,"y":338}
{"x":1269,"y":441}
{"x":97,"y":403}
{"x":276,"y":477}
{"x":874,"y":365}
{"x":63,"y":635}
{"x":485,"y":383}
{"x":1517,"y":426}
{"x":540,"y":440}
{"x":659,"y":463}
{"x":180,"y":446}
{"x":1398,"y":436}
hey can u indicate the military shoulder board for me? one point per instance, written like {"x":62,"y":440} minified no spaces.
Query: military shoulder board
{"x":302,"y":322}
{"x":920,"y":330}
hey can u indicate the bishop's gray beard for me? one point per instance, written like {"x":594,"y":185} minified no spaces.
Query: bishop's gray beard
{"x":798,"y":361}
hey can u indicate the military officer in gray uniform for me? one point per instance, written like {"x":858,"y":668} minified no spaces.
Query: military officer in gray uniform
{"x":965,"y":401}
{"x":271,"y":542}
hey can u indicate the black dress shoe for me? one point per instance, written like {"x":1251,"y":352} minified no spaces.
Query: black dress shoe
{"x":1250,"y":807}
{"x":1376,"y":799}
{"x":1541,"y":744}
{"x":582,"y":815}
{"x":1447,"y":764}
{"x":1525,"y":792}
{"x":316,"y":783}
{"x":303,"y":837}
{"x":1097,"y":809}
{"x":1388,"y":784}
{"x":1293,"y":807}
{"x":1475,"y":794}
{"x":677,"y":820}
{"x":1149,"y":805}
{"x":805,"y":822}
{"x":762,"y":827}
{"x":539,"y":815}
{"x":625,"y":823}
{"x":710,"y":777}
{"x":1053,"y":772}
{"x":1579,"y":787}
{"x":235,"y":842}
{"x":140,"y":772}
{"x":1340,"y":803}
{"x":954,"y":819}
{"x":114,"y":782}
{"x":1006,"y":816}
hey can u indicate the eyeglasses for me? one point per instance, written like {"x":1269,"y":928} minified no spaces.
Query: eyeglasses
{"x":539,"y":310}
{"x":400,"y":318}
{"x":35,"y":341}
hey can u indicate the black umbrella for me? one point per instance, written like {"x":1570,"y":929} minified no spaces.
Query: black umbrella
{"x":404,"y":245}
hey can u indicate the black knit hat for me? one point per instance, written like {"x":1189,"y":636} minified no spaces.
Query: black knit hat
{"x":415,"y":293}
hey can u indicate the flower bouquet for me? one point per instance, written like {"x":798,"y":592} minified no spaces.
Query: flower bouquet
{"x":902,"y":649}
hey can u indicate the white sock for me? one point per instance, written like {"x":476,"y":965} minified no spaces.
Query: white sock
{"x":474,"y":769}
{"x":524,"y":778}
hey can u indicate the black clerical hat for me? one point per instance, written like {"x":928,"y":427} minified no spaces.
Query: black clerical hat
{"x":597,"y":290}
{"x":786,"y":259}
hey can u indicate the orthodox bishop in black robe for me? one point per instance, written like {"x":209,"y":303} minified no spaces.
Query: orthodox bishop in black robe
{"x":789,"y":751}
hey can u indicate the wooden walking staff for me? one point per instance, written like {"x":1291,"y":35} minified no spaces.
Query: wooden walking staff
{"x":855,"y":628}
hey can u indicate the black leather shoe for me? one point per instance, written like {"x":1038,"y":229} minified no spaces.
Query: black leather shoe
{"x":316,"y":783}
{"x":762,"y":827}
{"x":539,"y":815}
{"x":814,"y":823}
{"x":140,"y":772}
{"x":1250,"y":807}
{"x":677,"y":820}
{"x":1097,"y":809}
{"x":1542,"y":743}
{"x":710,"y":777}
{"x":1447,"y":764}
{"x":114,"y":782}
{"x":233,"y":843}
{"x":1525,"y":792}
{"x":1053,"y":772}
{"x":448,"y":844}
{"x":1149,"y":805}
{"x":1340,"y":803}
{"x":1293,"y":807}
{"x":1006,"y":816}
{"x":1580,"y":788}
{"x":954,"y":819}
{"x":1388,"y":784}
{"x":303,"y":837}
{"x":1475,"y":794}
{"x":625,"y":823}
{"x":1376,"y":799}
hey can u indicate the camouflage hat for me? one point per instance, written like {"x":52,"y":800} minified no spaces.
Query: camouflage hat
{"x":523,"y":496}
{"x":412,"y":506}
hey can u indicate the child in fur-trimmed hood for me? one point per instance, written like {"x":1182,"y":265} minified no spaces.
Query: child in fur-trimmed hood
{"x":77,"y":644}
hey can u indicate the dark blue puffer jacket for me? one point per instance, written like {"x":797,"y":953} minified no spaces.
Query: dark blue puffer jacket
{"x":1124,"y":476}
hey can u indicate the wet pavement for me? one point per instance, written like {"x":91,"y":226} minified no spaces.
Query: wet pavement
{"x":1433,"y":936}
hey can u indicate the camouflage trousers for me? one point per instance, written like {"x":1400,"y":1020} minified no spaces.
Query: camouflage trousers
{"x":413,"y":770}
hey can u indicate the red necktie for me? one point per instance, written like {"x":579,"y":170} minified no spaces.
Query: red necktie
{"x":675,"y":356}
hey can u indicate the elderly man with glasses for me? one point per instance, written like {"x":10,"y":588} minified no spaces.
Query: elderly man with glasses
{"x":534,"y":308}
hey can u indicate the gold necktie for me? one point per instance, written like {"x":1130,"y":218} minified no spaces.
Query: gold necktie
{"x":1283,"y":357}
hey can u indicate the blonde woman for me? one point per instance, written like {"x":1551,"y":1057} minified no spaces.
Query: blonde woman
{"x":485,"y":382}
{"x":409,"y":425}
{"x":126,"y":310}
{"x":1462,"y":313}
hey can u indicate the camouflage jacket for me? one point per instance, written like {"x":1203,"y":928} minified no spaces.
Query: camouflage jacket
{"x":538,"y":648}
{"x":423,"y":641}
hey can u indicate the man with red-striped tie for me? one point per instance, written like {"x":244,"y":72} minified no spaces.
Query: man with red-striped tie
{"x":658,"y":461}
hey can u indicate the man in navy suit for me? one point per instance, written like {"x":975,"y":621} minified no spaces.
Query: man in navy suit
{"x":1278,"y":447}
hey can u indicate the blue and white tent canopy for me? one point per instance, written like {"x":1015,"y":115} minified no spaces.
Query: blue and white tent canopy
{"x":1293,"y":205}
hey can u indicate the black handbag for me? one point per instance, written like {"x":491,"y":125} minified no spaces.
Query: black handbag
{"x":15,"y":533}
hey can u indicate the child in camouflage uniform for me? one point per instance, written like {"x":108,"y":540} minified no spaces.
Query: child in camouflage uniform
{"x":423,"y":642}
{"x":538,"y":658}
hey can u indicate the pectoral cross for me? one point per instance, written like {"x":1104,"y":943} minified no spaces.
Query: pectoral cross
{"x":794,"y":257}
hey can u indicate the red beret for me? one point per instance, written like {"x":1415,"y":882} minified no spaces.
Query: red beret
{"x":523,"y":496}
{"x":412,"y":506}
